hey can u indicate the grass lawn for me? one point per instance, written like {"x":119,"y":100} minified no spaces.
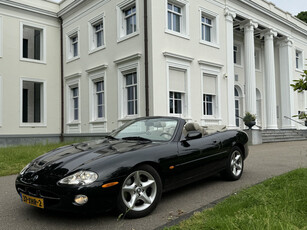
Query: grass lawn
{"x":13,"y":159}
{"x":278,"y":203}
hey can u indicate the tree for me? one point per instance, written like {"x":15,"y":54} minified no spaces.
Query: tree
{"x":302,"y":16}
{"x":301,"y":84}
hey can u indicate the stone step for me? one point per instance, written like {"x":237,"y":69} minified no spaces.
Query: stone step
{"x":270,"y":140}
{"x":282,"y":135}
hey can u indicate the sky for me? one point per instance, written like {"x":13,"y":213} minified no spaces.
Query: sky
{"x":292,"y":6}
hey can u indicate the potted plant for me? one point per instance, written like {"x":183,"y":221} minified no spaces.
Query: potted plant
{"x":249,"y":120}
{"x":302,"y":116}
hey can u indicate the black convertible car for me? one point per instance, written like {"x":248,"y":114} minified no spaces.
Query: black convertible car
{"x":130,"y":168}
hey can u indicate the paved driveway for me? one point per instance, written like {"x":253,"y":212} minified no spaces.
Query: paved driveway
{"x":264,"y":161}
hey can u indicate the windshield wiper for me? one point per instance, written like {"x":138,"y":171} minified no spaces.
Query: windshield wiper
{"x":138,"y":138}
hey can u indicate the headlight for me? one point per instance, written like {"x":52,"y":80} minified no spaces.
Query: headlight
{"x":80,"y":178}
{"x":24,"y":169}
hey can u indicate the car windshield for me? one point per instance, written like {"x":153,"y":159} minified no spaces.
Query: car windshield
{"x":155,"y":129}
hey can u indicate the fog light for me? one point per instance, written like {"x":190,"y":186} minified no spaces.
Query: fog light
{"x":81,"y":199}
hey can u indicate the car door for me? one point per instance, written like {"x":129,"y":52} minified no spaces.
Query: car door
{"x":198,"y":157}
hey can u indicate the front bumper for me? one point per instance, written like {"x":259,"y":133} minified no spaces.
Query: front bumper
{"x":61,"y":198}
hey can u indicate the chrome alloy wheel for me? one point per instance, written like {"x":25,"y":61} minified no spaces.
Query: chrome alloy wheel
{"x":236,"y":164}
{"x":139,"y":190}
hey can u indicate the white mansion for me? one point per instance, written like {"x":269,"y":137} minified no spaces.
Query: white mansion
{"x":86,"y":67}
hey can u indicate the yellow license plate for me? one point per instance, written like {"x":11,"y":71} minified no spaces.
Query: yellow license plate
{"x":36,"y":202}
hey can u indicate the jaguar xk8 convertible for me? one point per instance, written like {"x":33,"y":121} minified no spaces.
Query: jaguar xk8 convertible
{"x":130,"y":168}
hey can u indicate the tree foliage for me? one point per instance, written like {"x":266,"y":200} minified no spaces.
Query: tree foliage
{"x":302,"y":16}
{"x":301,"y":84}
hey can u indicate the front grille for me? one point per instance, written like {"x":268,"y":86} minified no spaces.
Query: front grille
{"x":40,"y":193}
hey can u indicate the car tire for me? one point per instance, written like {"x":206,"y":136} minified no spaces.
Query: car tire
{"x":140,"y":192}
{"x":234,"y":164}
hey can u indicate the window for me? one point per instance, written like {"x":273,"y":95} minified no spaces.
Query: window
{"x":32,"y":102}
{"x":257,"y":59}
{"x":98,"y":36}
{"x":96,"y":32}
{"x":208,"y":103}
{"x":131,"y":92}
{"x":209,"y":28}
{"x":206,"y":29}
{"x":1,"y":99}
{"x":97,"y":99}
{"x":32,"y":43}
{"x":73,"y":103}
{"x":128,"y":87}
{"x":127,"y":19}
{"x":177,"y":17}
{"x":100,"y":99}
{"x":174,"y":17}
{"x":237,"y":54}
{"x":209,"y":93}
{"x":1,"y":38}
{"x":177,"y":90}
{"x":298,"y":59}
{"x":74,"y":92}
{"x":175,"y":103}
{"x":130,"y":18}
{"x":73,"y":45}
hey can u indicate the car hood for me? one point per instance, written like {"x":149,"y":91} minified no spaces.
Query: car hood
{"x":83,"y":156}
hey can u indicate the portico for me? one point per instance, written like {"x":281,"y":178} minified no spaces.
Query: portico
{"x":274,"y":90}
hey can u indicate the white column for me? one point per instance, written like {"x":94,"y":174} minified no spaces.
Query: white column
{"x":249,"y":66}
{"x":230,"y":15}
{"x":286,"y":78}
{"x":270,"y":84}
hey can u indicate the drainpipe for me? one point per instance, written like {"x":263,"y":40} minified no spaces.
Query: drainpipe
{"x":146,"y":58}
{"x":62,"y":83}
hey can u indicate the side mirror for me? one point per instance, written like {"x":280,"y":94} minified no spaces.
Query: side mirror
{"x":193,"y":135}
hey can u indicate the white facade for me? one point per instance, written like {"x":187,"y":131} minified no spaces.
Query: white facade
{"x":29,"y":68}
{"x":208,"y":61}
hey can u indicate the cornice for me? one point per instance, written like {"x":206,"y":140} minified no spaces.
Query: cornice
{"x":273,"y":15}
{"x":74,"y":75}
{"x":207,"y":63}
{"x":28,"y":8}
{"x":70,"y":7}
{"x":128,"y":58}
{"x":178,"y":56}
{"x":96,"y":68}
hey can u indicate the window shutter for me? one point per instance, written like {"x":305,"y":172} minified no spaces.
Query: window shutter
{"x":176,"y":80}
{"x":209,"y":84}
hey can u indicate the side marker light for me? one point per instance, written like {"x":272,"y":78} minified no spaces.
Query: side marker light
{"x":109,"y":184}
